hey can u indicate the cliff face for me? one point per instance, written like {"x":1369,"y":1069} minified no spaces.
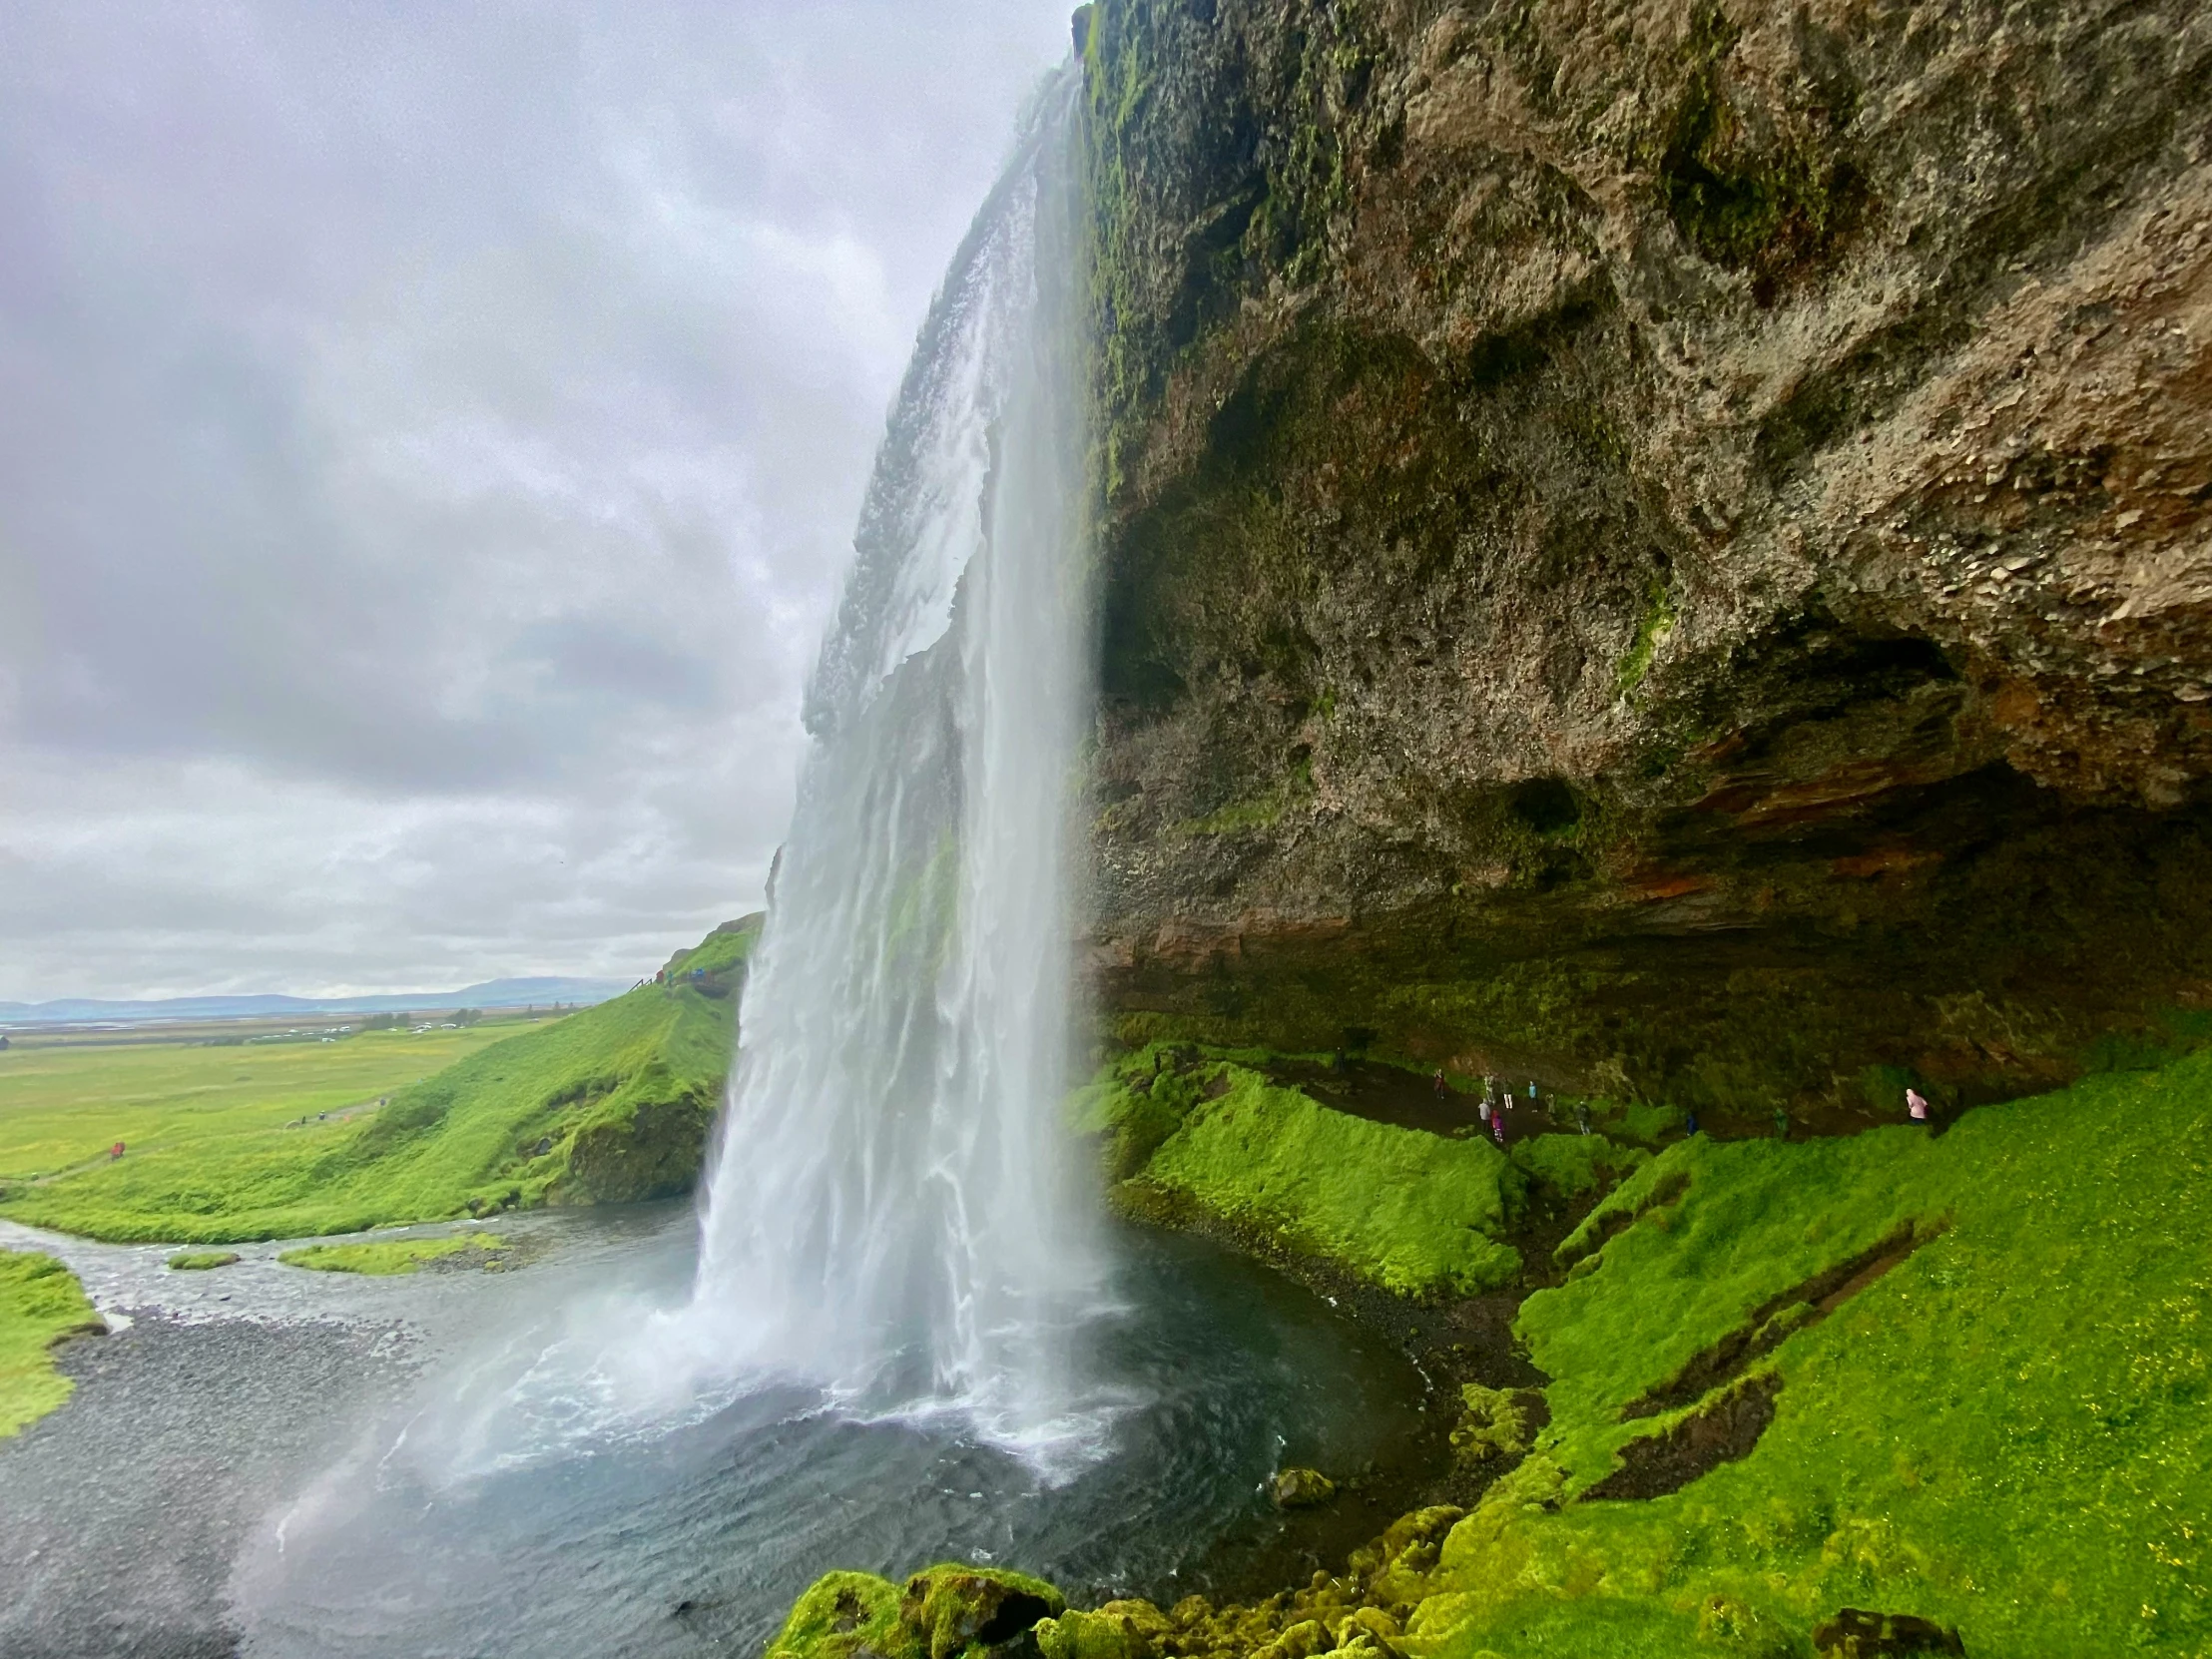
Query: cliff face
{"x":1661,"y":546}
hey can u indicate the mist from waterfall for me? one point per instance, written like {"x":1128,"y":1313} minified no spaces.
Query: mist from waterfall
{"x":889,"y":1207}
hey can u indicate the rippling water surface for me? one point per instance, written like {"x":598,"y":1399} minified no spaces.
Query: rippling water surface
{"x":499,"y":1495}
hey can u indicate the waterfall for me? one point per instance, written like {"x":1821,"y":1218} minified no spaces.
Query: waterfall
{"x":889,"y":1203}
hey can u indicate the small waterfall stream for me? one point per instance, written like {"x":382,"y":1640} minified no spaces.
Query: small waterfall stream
{"x":889,"y":1209}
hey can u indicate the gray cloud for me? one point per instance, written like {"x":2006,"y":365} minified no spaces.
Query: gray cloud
{"x":430,"y":443}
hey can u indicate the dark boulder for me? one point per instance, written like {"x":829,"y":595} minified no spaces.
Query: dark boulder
{"x":1855,"y":1633}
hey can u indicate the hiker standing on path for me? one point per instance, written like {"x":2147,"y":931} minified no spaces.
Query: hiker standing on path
{"x":1583,"y":1116}
{"x":1498,"y":1125}
{"x":1915,"y":1106}
{"x":1442,"y":1088}
{"x":1780,"y":1124}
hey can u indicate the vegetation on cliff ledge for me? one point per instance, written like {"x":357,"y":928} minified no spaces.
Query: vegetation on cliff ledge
{"x":1413,"y":1213}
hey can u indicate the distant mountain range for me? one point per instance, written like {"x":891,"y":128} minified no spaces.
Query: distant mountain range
{"x":493,"y":993}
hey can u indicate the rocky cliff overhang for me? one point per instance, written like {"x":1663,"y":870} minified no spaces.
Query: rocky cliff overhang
{"x":1662,"y":545}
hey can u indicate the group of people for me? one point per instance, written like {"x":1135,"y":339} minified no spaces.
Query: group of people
{"x":1497,"y":1100}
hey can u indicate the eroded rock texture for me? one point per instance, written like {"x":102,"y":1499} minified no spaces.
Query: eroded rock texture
{"x":1658,"y":545}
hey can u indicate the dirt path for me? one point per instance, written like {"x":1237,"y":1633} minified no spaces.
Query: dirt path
{"x":1390,"y":1094}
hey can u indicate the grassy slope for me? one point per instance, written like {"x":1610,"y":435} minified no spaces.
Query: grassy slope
{"x":40,"y":1303}
{"x":2010,"y":1431}
{"x":1408,"y":1211}
{"x":460,"y":1142}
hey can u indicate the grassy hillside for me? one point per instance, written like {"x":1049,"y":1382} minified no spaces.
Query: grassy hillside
{"x":2000,"y":1418}
{"x":611,"y":1104}
{"x":1962,"y":1379}
{"x":1410,"y":1212}
{"x":40,"y":1303}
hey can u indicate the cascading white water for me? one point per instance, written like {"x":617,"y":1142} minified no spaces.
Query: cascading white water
{"x":890,"y":1204}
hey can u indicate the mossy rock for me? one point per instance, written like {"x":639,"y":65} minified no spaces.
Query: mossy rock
{"x":1496,"y":1425}
{"x":1118,"y":1630}
{"x":1298,"y":1488}
{"x":945,"y":1612}
{"x":839,"y":1613}
{"x":643,"y":1148}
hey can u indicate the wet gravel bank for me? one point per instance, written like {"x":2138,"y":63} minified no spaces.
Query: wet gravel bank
{"x":119,"y":1514}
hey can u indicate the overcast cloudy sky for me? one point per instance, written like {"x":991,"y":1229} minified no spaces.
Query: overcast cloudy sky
{"x":430,"y":436}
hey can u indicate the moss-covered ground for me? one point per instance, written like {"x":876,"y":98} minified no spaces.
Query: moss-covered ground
{"x":608,"y":1104}
{"x":951,"y":1611}
{"x":1413,"y":1213}
{"x":2008,"y":1432}
{"x":386,"y":1257}
{"x":40,"y":1304}
{"x":1962,"y":1378}
{"x":201,"y":1261}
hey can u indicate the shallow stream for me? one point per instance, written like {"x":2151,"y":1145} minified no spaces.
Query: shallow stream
{"x":277,"y":1463}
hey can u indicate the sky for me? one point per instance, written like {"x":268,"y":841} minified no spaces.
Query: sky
{"x":430,"y":439}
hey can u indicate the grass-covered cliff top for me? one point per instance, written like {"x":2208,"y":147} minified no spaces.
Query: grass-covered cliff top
{"x":608,"y":1104}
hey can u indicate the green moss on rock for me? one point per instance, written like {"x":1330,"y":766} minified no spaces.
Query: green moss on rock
{"x":1302,"y":1488}
{"x":951,"y":1611}
{"x":1994,"y":1421}
{"x":1574,"y":1166}
{"x":1495,"y":1425}
{"x":1777,"y":209}
{"x":1112,"y":1632}
{"x":842,"y":1614}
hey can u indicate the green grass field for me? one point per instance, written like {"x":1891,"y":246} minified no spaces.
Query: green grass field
{"x":40,"y":1303}
{"x":609,"y":1102}
{"x":61,"y":1108}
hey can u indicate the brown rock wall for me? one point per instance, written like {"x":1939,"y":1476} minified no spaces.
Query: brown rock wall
{"x":1626,"y":524}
